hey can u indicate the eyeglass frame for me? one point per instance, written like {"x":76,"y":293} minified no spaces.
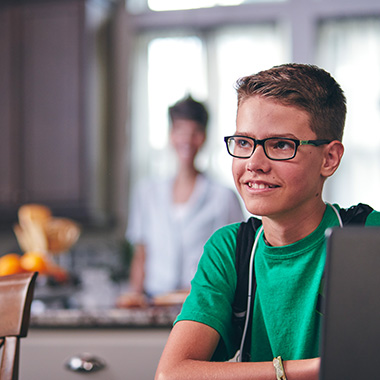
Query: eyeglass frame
{"x":263,"y":141}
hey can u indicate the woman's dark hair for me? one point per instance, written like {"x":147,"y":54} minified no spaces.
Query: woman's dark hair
{"x":189,"y":109}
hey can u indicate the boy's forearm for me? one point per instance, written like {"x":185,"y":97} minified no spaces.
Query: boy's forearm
{"x":202,"y":370}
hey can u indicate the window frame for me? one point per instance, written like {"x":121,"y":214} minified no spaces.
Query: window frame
{"x":301,"y":16}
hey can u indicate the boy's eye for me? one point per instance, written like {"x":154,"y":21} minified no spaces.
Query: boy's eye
{"x":281,"y":144}
{"x":243,"y":143}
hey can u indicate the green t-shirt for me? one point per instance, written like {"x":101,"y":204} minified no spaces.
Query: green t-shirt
{"x":285,"y":320}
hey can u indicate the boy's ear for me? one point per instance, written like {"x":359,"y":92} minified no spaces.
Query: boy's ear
{"x":333,"y":153}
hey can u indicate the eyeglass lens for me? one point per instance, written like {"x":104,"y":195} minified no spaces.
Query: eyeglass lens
{"x":278,"y":149}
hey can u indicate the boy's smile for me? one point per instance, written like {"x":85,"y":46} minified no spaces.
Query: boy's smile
{"x":260,"y":185}
{"x":277,"y":188}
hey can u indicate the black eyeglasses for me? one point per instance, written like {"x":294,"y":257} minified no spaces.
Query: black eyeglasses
{"x":275,"y":148}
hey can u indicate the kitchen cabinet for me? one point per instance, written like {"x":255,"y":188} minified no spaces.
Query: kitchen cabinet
{"x":53,"y":102}
{"x":128,"y":354}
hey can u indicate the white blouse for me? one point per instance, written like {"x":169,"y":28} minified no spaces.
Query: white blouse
{"x":174,"y":234}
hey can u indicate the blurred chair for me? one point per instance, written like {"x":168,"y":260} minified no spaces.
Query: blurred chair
{"x":16,"y":294}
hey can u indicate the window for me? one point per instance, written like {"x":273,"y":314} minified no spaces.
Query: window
{"x":350,"y":50}
{"x":225,"y":42}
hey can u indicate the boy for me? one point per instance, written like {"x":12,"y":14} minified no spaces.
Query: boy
{"x":289,"y":129}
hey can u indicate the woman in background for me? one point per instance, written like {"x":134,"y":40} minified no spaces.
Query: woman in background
{"x":171,"y":219}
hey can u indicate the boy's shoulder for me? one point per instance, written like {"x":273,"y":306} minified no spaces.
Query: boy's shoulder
{"x":227,"y":231}
{"x":373,"y":219}
{"x":230,"y":235}
{"x":224,"y":238}
{"x":360,"y":214}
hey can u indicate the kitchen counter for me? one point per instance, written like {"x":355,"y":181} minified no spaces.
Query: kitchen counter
{"x":125,"y":353}
{"x":155,"y":316}
{"x":127,"y":342}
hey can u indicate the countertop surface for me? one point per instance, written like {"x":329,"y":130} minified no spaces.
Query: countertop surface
{"x":154,"y":316}
{"x":91,"y":303}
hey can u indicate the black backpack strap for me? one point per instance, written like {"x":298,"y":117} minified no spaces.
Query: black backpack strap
{"x":244,"y":242}
{"x":355,"y":215}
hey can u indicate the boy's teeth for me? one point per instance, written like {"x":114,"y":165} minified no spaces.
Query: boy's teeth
{"x":258,"y":185}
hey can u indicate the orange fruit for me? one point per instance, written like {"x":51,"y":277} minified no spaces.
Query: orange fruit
{"x":33,"y":261}
{"x":10,"y":264}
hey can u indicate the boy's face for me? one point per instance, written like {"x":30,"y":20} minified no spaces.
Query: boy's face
{"x":277,"y":188}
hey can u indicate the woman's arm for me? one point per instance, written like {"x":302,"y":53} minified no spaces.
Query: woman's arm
{"x":190,"y":347}
{"x":137,"y":272}
{"x":135,"y":297}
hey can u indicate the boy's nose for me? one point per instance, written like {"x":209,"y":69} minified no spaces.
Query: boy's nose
{"x":258,"y":161}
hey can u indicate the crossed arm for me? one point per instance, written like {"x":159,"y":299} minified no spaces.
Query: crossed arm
{"x":191,"y":345}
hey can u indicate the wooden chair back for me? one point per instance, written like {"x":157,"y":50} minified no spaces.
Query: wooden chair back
{"x":16,"y":295}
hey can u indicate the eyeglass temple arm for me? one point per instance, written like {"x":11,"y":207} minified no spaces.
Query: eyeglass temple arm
{"x":314,"y":142}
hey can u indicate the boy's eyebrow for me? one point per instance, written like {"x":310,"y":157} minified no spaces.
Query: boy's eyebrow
{"x":285,"y":135}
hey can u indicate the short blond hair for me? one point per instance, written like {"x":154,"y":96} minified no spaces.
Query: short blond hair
{"x":306,"y":87}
